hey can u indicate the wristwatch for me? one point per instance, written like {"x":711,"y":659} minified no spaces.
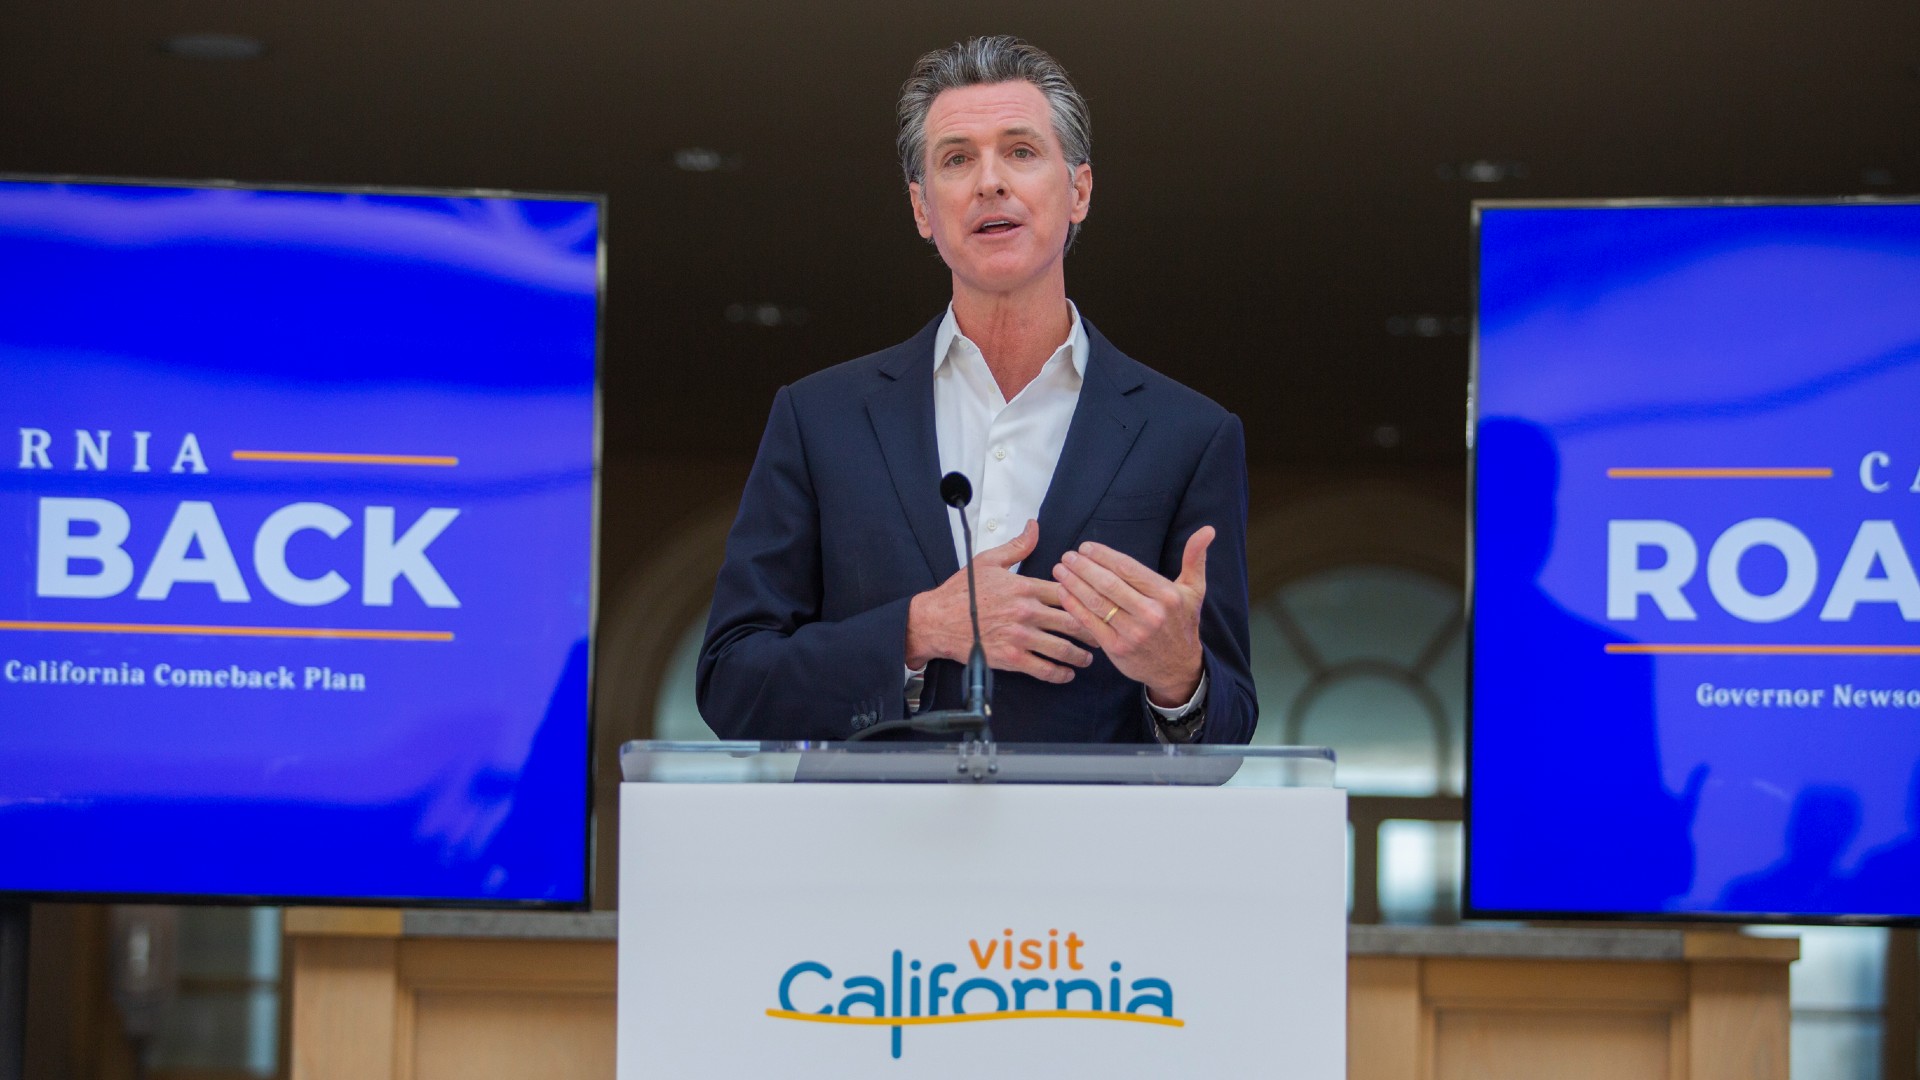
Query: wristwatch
{"x":1184,"y":729}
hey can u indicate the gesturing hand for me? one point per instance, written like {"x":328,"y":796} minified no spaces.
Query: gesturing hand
{"x":1022,"y":626}
{"x":1148,"y":626}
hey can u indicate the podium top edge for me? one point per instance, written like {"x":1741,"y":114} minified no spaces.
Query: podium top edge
{"x":736,"y":748}
{"x":650,"y":761}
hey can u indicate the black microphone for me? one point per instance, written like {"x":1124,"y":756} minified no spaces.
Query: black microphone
{"x":957,"y":493}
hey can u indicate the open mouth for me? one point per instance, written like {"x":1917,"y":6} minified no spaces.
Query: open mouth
{"x":997,"y":226}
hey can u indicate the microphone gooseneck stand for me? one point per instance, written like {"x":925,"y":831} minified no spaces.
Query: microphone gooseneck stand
{"x":973,"y":722}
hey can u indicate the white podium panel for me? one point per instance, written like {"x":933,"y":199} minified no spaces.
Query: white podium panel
{"x":852,"y":930}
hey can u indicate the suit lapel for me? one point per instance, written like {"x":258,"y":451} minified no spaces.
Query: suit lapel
{"x":902,"y":414}
{"x":1106,"y":421}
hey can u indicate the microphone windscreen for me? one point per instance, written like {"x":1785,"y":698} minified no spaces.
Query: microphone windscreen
{"x":954,"y":490}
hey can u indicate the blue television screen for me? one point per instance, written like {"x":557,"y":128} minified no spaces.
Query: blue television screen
{"x":297,"y":526}
{"x":1696,"y":509}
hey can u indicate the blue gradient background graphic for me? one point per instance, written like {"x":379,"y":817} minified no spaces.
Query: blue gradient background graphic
{"x":1670,"y":337}
{"x":306,"y":321}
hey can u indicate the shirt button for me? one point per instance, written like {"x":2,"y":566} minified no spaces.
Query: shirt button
{"x":999,"y":453}
{"x":993,"y":524}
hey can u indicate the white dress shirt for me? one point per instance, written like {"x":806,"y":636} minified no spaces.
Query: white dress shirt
{"x":1008,"y":449}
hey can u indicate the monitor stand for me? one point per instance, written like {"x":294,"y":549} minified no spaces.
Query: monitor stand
{"x":13,"y":989}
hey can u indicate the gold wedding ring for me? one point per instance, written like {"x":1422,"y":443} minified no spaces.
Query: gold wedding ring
{"x":1111,"y":612}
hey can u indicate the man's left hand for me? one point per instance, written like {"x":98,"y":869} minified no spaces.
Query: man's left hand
{"x":1148,"y":626}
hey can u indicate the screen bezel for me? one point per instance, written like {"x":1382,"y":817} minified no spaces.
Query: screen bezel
{"x":585,"y":902}
{"x":1468,"y":909}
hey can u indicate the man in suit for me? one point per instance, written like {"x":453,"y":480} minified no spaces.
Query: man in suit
{"x":1111,"y":500}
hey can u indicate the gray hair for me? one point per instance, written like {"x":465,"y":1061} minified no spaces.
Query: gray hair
{"x":983,"y":61}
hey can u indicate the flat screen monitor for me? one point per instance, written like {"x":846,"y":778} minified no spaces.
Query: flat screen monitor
{"x":1695,"y":672}
{"x":297,"y":542}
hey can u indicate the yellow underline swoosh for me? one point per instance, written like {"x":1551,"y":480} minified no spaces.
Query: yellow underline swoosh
{"x":1720,"y":474}
{"x":230,"y":631}
{"x":331,"y":458}
{"x":968,"y":1018}
{"x":1770,"y":650}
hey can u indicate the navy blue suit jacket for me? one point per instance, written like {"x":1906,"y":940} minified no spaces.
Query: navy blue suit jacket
{"x":841,"y":524}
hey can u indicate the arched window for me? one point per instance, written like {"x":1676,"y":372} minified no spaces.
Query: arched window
{"x":676,"y":716}
{"x":1359,"y":644}
{"x":1370,"y":659}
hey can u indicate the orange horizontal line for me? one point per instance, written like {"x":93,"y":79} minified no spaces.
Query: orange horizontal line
{"x":1720,"y":474}
{"x":330,"y":458}
{"x":1771,"y":650}
{"x":968,"y":1018}
{"x":230,"y":631}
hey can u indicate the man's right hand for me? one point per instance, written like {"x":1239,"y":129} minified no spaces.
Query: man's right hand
{"x":1022,"y":625}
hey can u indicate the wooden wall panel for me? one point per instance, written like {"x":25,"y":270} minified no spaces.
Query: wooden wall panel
{"x":1383,"y":1018}
{"x":497,"y":1035}
{"x":1532,"y":983}
{"x":466,"y":963}
{"x":1536,"y":1044}
{"x":345,"y":1003}
{"x":368,"y":1007}
{"x":1740,"y":1021}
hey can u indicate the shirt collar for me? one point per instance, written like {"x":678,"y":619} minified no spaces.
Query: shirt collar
{"x":1076,"y":342}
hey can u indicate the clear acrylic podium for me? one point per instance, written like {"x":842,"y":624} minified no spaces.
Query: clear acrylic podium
{"x":924,"y":910}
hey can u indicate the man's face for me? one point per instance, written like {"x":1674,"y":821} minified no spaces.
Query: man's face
{"x":998,"y":196}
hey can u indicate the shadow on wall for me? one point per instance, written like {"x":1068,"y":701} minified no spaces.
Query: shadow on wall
{"x":1567,"y":727}
{"x":1823,"y":824}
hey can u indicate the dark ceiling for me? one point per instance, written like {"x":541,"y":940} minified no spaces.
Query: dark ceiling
{"x":1282,"y":189}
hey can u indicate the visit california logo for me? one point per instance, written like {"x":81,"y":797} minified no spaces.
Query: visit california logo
{"x":1001,"y":978}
